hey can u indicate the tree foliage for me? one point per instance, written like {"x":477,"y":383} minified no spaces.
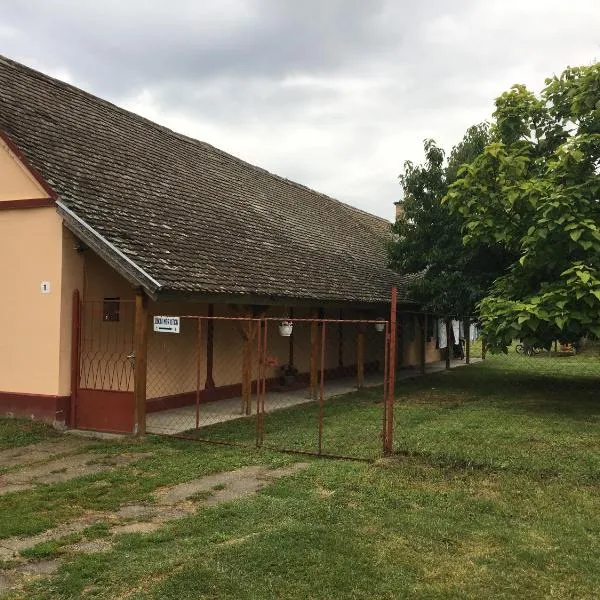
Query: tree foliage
{"x":535,"y":191}
{"x":428,"y":239}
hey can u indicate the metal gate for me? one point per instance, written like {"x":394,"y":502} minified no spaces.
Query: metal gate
{"x":103,"y":365}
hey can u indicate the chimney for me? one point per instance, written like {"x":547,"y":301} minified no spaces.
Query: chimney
{"x":399,"y":210}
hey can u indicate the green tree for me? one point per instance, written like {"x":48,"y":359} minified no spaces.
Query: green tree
{"x":535,"y":191}
{"x":428,"y":238}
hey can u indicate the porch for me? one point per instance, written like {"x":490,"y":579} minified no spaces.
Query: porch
{"x":184,"y":419}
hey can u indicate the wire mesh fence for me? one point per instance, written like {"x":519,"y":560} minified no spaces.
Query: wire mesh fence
{"x":305,"y":385}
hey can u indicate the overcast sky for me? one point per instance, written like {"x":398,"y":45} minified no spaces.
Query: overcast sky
{"x":335,"y":94}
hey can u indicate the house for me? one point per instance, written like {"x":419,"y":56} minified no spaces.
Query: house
{"x":107,"y":217}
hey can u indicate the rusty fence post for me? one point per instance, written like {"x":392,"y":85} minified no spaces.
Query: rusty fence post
{"x":389,"y":438}
{"x":265,"y":349}
{"x":141,"y":362}
{"x":259,"y":379}
{"x":198,"y":369}
{"x":386,"y":385}
{"x":322,"y":388}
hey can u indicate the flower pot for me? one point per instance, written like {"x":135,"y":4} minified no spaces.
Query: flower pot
{"x":285,"y":328}
{"x":379,"y":327}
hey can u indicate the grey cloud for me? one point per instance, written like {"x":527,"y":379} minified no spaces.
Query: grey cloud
{"x":333,"y":93}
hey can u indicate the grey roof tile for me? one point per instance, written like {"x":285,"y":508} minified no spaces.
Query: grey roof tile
{"x":195,"y":218}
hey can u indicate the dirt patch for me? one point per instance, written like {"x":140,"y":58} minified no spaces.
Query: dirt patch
{"x":27,"y":455}
{"x":134,"y":511}
{"x":41,"y":567}
{"x":12,"y":579}
{"x":8,"y":581}
{"x":147,"y":527}
{"x":224,"y":487}
{"x":91,"y":547}
{"x":324,"y":492}
{"x":61,"y":469}
{"x":10,"y":547}
{"x":171,"y":503}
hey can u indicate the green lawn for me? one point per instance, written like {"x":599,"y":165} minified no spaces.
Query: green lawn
{"x":493,"y":493}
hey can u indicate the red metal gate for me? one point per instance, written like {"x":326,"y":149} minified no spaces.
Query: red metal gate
{"x":103,"y":378}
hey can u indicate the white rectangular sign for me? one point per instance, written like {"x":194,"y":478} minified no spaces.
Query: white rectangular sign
{"x":166,"y":324}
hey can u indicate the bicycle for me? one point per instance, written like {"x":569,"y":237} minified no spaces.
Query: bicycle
{"x":526,"y":350}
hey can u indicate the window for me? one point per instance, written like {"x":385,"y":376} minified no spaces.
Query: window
{"x":110,"y":309}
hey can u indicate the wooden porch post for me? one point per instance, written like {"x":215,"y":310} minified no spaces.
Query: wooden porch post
{"x":314,"y":354}
{"x":70,"y":419}
{"x":141,"y":361}
{"x":209,"y":384}
{"x":247,"y":368}
{"x":423,"y":324}
{"x":341,"y":341}
{"x":360,"y":356}
{"x":291,"y":341}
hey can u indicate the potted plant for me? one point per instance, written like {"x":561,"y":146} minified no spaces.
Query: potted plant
{"x":289,"y":373}
{"x":285,"y":328}
{"x":379,"y":327}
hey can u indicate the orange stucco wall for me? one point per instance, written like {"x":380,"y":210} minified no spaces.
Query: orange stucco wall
{"x":410,"y":343}
{"x":173,"y":358}
{"x":16,"y":182}
{"x":35,"y":336}
{"x":35,"y":340}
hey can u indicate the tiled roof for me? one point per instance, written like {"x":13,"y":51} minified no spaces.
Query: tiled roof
{"x":196,"y":219}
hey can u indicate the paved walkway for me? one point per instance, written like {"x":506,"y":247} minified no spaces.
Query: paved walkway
{"x":178,"y":420}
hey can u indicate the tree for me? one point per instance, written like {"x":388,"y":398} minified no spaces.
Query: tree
{"x":428,"y":238}
{"x":535,"y":191}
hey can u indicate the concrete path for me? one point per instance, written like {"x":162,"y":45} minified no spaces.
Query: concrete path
{"x":171,"y":503}
{"x":179,"y":420}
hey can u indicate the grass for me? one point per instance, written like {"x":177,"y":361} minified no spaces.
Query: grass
{"x":492,"y":493}
{"x":21,"y":433}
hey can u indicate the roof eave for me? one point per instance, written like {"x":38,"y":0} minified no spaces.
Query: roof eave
{"x":117,"y":259}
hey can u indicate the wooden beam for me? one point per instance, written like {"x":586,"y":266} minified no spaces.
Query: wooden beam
{"x":248,"y":331}
{"x":341,"y":340}
{"x":291,"y":342}
{"x":198,"y":368}
{"x":75,"y":370}
{"x":360,"y":356}
{"x":247,"y":369}
{"x":140,"y":342}
{"x":209,"y":384}
{"x":423,"y":348}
